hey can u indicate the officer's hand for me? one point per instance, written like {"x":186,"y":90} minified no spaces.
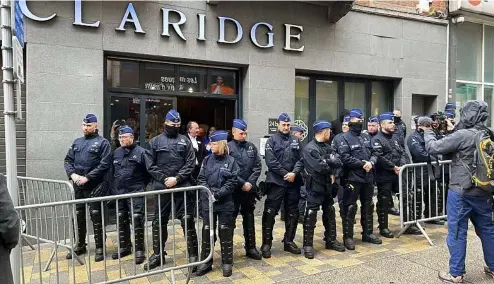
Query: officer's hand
{"x":397,"y":170}
{"x":290,"y":177}
{"x":450,"y":127}
{"x":368,"y":166}
{"x":82,"y":181}
{"x":75,"y":177}
{"x":332,"y":179}
{"x":247,"y":187}
{"x":213,"y":198}
{"x":170,"y":182}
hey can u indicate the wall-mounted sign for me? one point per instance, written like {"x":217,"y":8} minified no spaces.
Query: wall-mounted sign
{"x":475,"y":6}
{"x":130,"y":16}
{"x":272,"y":125}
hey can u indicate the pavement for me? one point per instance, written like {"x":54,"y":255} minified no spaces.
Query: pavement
{"x":408,"y":259}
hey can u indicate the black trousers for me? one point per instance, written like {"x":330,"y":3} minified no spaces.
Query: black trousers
{"x":136,"y":206}
{"x":244,"y":202}
{"x":276,"y":194}
{"x":182,"y":202}
{"x":348,"y":196}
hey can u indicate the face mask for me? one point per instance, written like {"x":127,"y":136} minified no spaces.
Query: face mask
{"x":397,"y":119}
{"x":171,"y":131}
{"x":355,"y":126}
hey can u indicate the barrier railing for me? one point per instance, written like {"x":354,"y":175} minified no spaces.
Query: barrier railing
{"x":171,"y":200}
{"x":422,"y":196}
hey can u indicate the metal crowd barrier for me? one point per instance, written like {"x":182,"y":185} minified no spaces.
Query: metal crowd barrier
{"x":38,"y":212}
{"x":422,"y":198}
{"x":36,"y":191}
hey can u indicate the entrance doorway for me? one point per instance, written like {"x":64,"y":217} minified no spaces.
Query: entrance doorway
{"x":207,"y":112}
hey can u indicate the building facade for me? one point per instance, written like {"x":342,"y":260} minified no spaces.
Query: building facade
{"x":215,"y":61}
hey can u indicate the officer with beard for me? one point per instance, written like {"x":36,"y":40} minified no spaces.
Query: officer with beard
{"x":320,"y":163}
{"x":130,"y":175}
{"x":284,"y":181}
{"x":390,"y":157}
{"x":358,"y":162}
{"x":86,"y":164}
{"x":244,"y":196}
{"x":173,"y":163}
{"x":372,"y":127}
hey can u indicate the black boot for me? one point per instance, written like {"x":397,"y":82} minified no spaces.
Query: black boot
{"x":367,"y":223}
{"x":309,"y":226}
{"x":250,"y":236}
{"x":191,"y":238}
{"x":226,"y":241}
{"x":139,"y":238}
{"x":382,"y":217}
{"x":206,"y":250}
{"x":329,"y":222}
{"x":267,"y":232}
{"x":348,"y":222}
{"x":158,"y":257}
{"x":413,"y":230}
{"x":290,"y":230}
{"x":80,"y":248}
{"x":96,"y":218}
{"x":123,"y":236}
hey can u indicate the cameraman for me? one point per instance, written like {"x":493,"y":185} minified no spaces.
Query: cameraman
{"x":464,"y":200}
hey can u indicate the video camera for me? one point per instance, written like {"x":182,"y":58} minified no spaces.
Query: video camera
{"x":440,"y":123}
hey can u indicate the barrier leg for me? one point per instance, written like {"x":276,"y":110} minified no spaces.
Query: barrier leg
{"x":29,"y":244}
{"x":403,"y":230}
{"x":50,"y":260}
{"x":424,"y":233}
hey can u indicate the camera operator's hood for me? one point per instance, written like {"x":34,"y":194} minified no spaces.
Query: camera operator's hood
{"x":473,"y":113}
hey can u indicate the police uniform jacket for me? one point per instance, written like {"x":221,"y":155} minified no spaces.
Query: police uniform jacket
{"x":282,"y":157}
{"x":248,"y":161}
{"x":172,"y":157}
{"x":89,"y":156}
{"x":389,"y":154}
{"x":354,"y":150}
{"x":320,"y":162}
{"x":220,"y":175}
{"x":129,"y":169}
{"x":416,"y":146}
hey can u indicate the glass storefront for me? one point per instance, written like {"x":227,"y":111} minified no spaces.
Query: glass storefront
{"x":140,"y":93}
{"x":475,"y":65}
{"x":322,"y":97}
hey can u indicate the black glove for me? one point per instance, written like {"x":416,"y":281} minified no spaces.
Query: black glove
{"x":101,"y":190}
{"x":261,"y":190}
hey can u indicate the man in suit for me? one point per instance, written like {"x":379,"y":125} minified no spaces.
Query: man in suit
{"x":199,"y":147}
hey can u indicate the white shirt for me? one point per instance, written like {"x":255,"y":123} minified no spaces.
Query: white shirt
{"x":194,"y":144}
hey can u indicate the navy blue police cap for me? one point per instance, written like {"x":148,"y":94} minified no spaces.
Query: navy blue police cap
{"x":450,"y":106}
{"x":125,"y":129}
{"x":321,"y":125}
{"x":173,"y":116}
{"x":373,"y":119}
{"x":449,"y":114}
{"x":386,"y":116}
{"x":346,"y":119}
{"x":357,"y":113}
{"x":296,"y":128}
{"x":240,"y":124}
{"x":90,"y":118}
{"x":284,"y":117}
{"x":218,"y":135}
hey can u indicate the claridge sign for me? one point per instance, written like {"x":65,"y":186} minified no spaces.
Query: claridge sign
{"x":130,"y":17}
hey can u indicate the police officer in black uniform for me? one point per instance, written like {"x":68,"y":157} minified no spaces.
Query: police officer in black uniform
{"x":173,"y":162}
{"x":320,"y":163}
{"x":86,"y":164}
{"x":284,"y":181}
{"x":358,"y":162}
{"x":244,"y":197}
{"x":130,"y":175}
{"x":219,"y":173}
{"x":390,"y":157}
{"x":416,"y":146}
{"x":372,"y":127}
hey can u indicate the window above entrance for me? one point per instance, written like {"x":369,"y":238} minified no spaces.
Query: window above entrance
{"x":171,"y":79}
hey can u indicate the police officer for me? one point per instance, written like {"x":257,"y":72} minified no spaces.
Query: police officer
{"x":284,"y":180}
{"x":344,"y":126}
{"x":86,"y":164}
{"x":358,"y":161}
{"x":173,"y":161}
{"x":416,"y":146}
{"x":130,"y":175}
{"x":401,"y":127}
{"x":372,"y":127}
{"x":220,"y":174}
{"x":244,"y":196}
{"x":320,"y":162}
{"x":390,"y":157}
{"x":298,"y":132}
